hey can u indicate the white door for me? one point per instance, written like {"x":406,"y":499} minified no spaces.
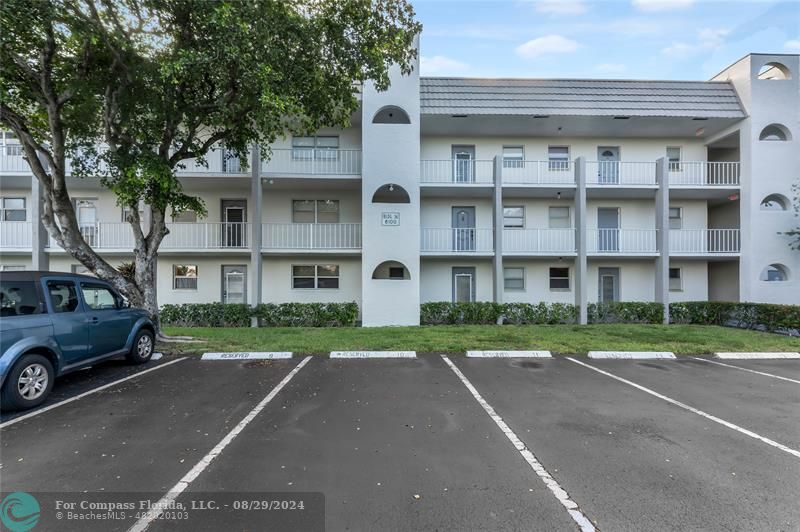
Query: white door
{"x":87,"y":220}
{"x":608,"y":165}
{"x":234,"y":283}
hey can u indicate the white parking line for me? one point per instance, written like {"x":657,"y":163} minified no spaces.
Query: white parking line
{"x":84,"y":394}
{"x":204,"y":462}
{"x":715,"y":419}
{"x":552,"y":484}
{"x":747,"y":369}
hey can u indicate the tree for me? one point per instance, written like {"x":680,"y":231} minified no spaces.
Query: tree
{"x":795,"y":233}
{"x":128,"y":89}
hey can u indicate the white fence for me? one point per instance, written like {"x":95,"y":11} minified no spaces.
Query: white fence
{"x":702,"y":174}
{"x":457,"y":171}
{"x":702,"y":241}
{"x":620,"y":173}
{"x":311,"y":236}
{"x":622,"y":241}
{"x":538,"y":173}
{"x":206,"y":235}
{"x":457,"y":240}
{"x":16,"y":235}
{"x":313,"y":161}
{"x":538,"y":241}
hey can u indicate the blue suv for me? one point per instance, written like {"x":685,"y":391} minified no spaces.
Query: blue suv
{"x":53,"y":323}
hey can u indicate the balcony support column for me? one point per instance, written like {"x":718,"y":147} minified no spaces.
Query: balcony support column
{"x":662,"y":235}
{"x":39,"y":237}
{"x":497,"y":211}
{"x":256,"y":194}
{"x":581,"y":281}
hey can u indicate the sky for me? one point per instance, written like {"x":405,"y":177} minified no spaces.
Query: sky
{"x":613,"y":39}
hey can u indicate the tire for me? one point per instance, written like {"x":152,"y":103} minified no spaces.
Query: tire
{"x":38,"y":374}
{"x":142,"y":348}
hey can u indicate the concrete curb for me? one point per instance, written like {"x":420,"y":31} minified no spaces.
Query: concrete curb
{"x":632,"y":355}
{"x":509,"y":354}
{"x":265,"y":355}
{"x":373,"y":354}
{"x":757,"y":356}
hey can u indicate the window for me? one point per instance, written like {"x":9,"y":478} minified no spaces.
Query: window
{"x":184,"y":276}
{"x":186,"y":217}
{"x":126,"y":212}
{"x":98,"y":297}
{"x":13,"y":209}
{"x":674,"y":158}
{"x":775,"y":132}
{"x":307,"y":148}
{"x":559,"y":278}
{"x":12,"y":268}
{"x":514,"y":278}
{"x":675,"y":280}
{"x":391,"y":114}
{"x":774,"y":273}
{"x":675,"y":217}
{"x":315,"y":211}
{"x":63,"y":296}
{"x":309,"y":276}
{"x":513,"y":156}
{"x":774,"y":202}
{"x":18,"y":298}
{"x":391,"y":270}
{"x":514,"y":217}
{"x":559,"y":218}
{"x":558,"y":157}
{"x":391,"y":193}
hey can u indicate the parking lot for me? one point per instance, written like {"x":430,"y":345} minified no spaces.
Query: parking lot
{"x":432,"y":443}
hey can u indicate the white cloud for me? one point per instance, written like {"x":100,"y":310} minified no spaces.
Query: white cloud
{"x":549,"y":44}
{"x":793,"y":45}
{"x":708,"y":39}
{"x":561,"y":7}
{"x":439,"y":65}
{"x":611,"y":68}
{"x":712,"y":37}
{"x":679,"y":50}
{"x":661,"y":5}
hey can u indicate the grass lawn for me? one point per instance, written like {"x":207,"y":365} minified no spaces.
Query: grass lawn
{"x":688,"y":339}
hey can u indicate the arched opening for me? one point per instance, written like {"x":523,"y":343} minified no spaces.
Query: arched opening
{"x":774,"y":71}
{"x":391,"y":114}
{"x":775,"y":202}
{"x":391,"y":193}
{"x":774,"y":273}
{"x":392,"y":270}
{"x":775,"y":132}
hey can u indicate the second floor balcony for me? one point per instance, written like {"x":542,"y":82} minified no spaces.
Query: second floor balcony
{"x":312,"y":162}
{"x":457,"y":241}
{"x":704,"y":242}
{"x":287,"y":237}
{"x":539,"y":241}
{"x":621,"y":242}
{"x":16,"y":236}
{"x":456,"y":172}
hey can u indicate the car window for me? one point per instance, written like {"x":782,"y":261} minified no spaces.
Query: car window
{"x":98,"y":297}
{"x":18,"y":298}
{"x":63,"y":296}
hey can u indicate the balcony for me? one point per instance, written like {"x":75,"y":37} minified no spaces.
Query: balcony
{"x":704,"y":174}
{"x":311,"y":237}
{"x":457,"y":241}
{"x":16,"y":236}
{"x":12,"y":160}
{"x":459,"y":172}
{"x":620,"y":173}
{"x":545,"y":173}
{"x":621,"y":242}
{"x":539,"y":241}
{"x":704,"y":242}
{"x":218,"y":161}
{"x":312,"y":162}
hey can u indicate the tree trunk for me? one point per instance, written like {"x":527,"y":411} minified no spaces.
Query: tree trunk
{"x":146,"y":282}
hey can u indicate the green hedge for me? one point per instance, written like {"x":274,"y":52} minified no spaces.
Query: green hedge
{"x":486,"y":312}
{"x":626,"y":312}
{"x":269,"y":315}
{"x":761,"y":316}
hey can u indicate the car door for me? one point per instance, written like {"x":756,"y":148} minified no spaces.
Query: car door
{"x":108,"y":324}
{"x":70,"y":329}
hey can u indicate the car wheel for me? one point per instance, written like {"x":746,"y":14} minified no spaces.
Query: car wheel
{"x":28,"y":383}
{"x":142,"y":348}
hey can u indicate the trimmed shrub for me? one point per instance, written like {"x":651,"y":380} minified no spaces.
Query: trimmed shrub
{"x":626,"y":312}
{"x":759,"y":316}
{"x":488,"y":313}
{"x":269,"y":315}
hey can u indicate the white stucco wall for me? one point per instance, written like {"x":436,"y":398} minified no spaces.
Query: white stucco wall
{"x":637,"y":279}
{"x":537,"y":282}
{"x":437,"y":279}
{"x":278,"y":203}
{"x":695,"y":281}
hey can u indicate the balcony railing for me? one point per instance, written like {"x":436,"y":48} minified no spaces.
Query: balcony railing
{"x":538,"y":173}
{"x":16,"y":235}
{"x":621,"y":241}
{"x":704,"y":241}
{"x":206,"y":235}
{"x":539,"y":241}
{"x":311,"y":236}
{"x":218,"y":161}
{"x":704,"y":174}
{"x":457,"y":171}
{"x":313,"y":161}
{"x":457,"y":240}
{"x":620,"y":173}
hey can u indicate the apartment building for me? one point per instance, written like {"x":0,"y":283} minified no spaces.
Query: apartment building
{"x":462,"y":189}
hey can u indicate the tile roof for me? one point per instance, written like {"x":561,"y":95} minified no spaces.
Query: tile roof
{"x":484,"y":96}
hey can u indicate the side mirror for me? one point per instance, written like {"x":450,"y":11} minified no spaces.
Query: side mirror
{"x":125,"y":304}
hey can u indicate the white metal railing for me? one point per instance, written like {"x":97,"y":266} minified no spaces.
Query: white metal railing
{"x":457,"y":240}
{"x":218,"y":161}
{"x":205,"y":235}
{"x":620,"y":173}
{"x":313,"y":161}
{"x":702,"y":241}
{"x":539,"y":240}
{"x":16,"y":235}
{"x":538,"y":173}
{"x":457,"y":171}
{"x":311,"y":236}
{"x":703,"y":174}
{"x":613,"y":241}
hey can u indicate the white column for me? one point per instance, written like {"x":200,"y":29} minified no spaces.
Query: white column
{"x":497,"y":206}
{"x":581,"y":282}
{"x":39,"y":258}
{"x":662,"y":236}
{"x":256,"y":194}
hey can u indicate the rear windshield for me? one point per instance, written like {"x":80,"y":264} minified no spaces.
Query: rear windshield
{"x":18,"y":298}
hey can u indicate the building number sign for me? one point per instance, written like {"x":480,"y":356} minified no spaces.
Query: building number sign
{"x":391,"y":219}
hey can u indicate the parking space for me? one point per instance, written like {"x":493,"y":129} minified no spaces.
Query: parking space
{"x":404,"y":444}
